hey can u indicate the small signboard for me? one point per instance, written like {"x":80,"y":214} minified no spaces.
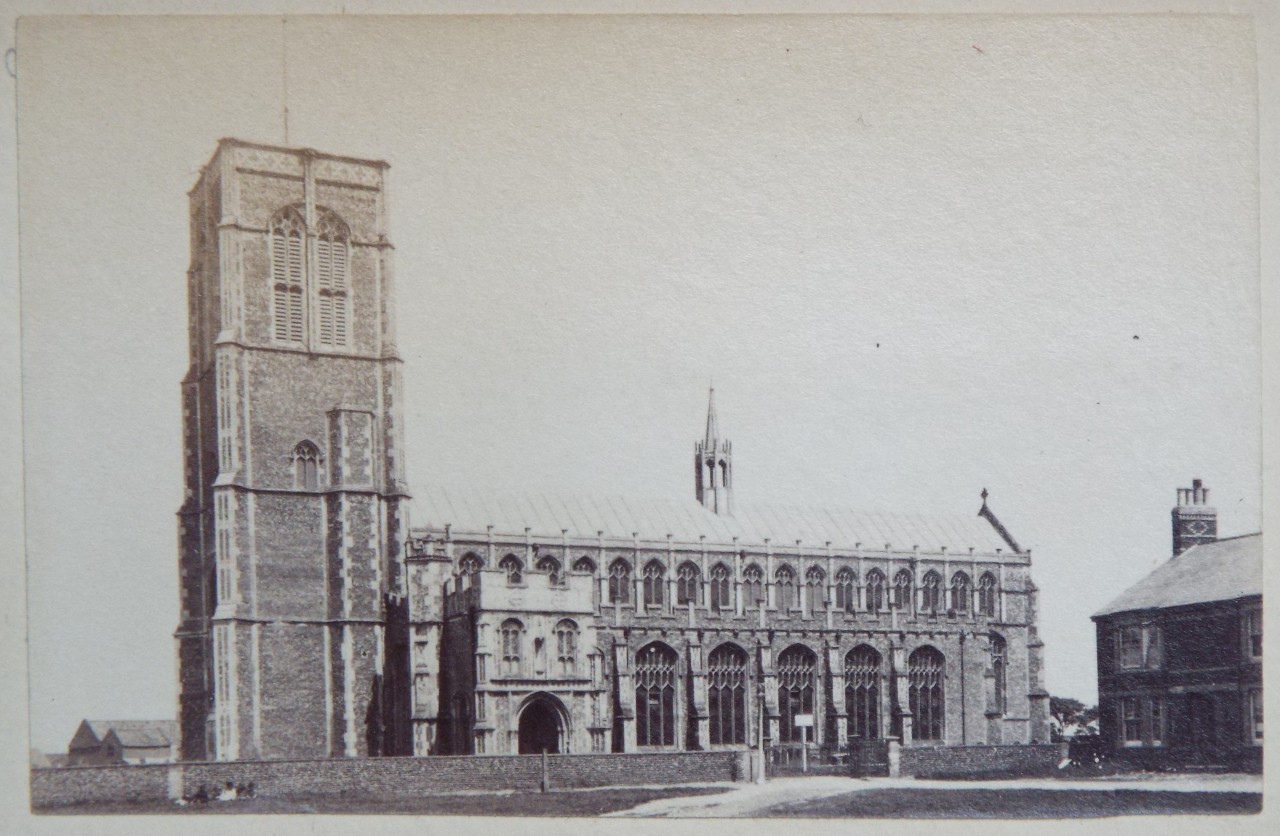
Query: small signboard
{"x":804,"y":721}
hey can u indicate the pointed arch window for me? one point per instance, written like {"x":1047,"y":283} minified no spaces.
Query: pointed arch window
{"x":960,"y":592}
{"x":512,"y":639}
{"x":548,"y":564}
{"x":902,"y":590}
{"x":687,"y":580}
{"x":727,"y":695}
{"x":987,"y":594}
{"x":875,"y":591}
{"x":655,"y":675}
{"x":796,"y":689}
{"x":753,"y":585}
{"x":567,"y":647}
{"x":931,"y":592}
{"x":925,"y":677}
{"x":654,"y":581}
{"x":514,"y":568}
{"x":862,"y":692}
{"x":1000,"y":670}
{"x":785,"y":580}
{"x":721,"y":588}
{"x":584,"y":564}
{"x":620,"y":582}
{"x":814,"y":588}
{"x":288,"y":240}
{"x":470,"y":563}
{"x":332,"y":291}
{"x":306,"y":466}
{"x":846,"y":591}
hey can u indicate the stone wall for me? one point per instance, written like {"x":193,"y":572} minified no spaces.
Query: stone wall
{"x":378,"y":777}
{"x":938,"y":762}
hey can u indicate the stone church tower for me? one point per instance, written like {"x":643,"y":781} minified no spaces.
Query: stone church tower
{"x":291,"y":532}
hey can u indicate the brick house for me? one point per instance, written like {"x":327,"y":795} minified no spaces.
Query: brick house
{"x":316,"y":623}
{"x":123,"y":741}
{"x":1180,"y":652}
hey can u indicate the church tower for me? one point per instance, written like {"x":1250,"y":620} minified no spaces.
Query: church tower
{"x":292,"y":525}
{"x":713,"y":466}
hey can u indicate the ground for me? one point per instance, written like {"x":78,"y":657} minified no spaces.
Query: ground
{"x":816,"y":796}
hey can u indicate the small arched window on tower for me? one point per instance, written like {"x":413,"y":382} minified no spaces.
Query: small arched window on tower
{"x":288,"y":238}
{"x":620,"y":582}
{"x":902,"y":590}
{"x":687,"y":580}
{"x":332,"y":284}
{"x":654,"y":581}
{"x":753,"y":586}
{"x":512,"y":638}
{"x":514,"y":569}
{"x":875,"y":591}
{"x":551,"y":566}
{"x":721,"y":588}
{"x":786,"y":583}
{"x":931,"y":592}
{"x":470,"y":564}
{"x":960,"y":592}
{"x":846,"y":590}
{"x":306,"y":467}
{"x":987,"y":594}
{"x":567,"y":647}
{"x":815,"y":588}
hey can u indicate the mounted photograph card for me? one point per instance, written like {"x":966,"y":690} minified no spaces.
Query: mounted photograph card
{"x":644,"y":415}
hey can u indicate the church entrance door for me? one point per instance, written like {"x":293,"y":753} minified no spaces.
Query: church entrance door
{"x":540,"y":729}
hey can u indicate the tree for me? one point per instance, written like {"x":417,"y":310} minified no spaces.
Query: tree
{"x":1070,"y":714}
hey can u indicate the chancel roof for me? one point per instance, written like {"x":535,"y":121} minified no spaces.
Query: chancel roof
{"x":686,"y":520}
{"x":1219,"y":571}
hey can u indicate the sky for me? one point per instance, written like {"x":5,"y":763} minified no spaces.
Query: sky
{"x":918,"y":256}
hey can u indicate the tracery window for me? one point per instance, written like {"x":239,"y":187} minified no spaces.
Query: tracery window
{"x":875,"y":591}
{"x":654,"y":581}
{"x":960,"y":592}
{"x":513,"y":567}
{"x":512,"y":631}
{"x":785,"y":580}
{"x":814,"y":581}
{"x":862,"y":692}
{"x":470,"y":563}
{"x":306,"y":466}
{"x":931,"y":592}
{"x":567,"y":647}
{"x":753,"y":585}
{"x":620,"y":582}
{"x":727,"y":695}
{"x":655,"y":675}
{"x":687,"y":578}
{"x":721,"y":587}
{"x":902,"y":590}
{"x":584,"y":564}
{"x":551,"y":566}
{"x":796,"y":689}
{"x":1000,"y":668}
{"x":987,"y":594}
{"x":332,"y":317}
{"x":925,"y":678}
{"x":288,"y":239}
{"x":846,"y":591}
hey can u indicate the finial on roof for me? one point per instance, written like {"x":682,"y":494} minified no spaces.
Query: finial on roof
{"x":984,"y":497}
{"x":713,"y":428}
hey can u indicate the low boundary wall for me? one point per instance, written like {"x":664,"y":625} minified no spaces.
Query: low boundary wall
{"x":380,"y":777}
{"x":946,"y":761}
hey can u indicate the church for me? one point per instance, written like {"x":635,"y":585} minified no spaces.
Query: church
{"x":317,"y":621}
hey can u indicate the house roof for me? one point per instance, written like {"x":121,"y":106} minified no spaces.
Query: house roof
{"x":546,"y":516}
{"x":1219,"y":571}
{"x":142,"y":734}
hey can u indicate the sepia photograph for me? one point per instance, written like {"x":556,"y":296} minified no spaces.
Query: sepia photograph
{"x":822,"y":416}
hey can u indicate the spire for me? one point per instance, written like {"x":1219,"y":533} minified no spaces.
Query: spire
{"x":713,"y":429}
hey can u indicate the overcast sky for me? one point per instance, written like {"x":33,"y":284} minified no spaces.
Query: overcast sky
{"x":919,"y":256}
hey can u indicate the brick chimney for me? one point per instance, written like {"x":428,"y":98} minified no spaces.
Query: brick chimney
{"x":1194,"y":520}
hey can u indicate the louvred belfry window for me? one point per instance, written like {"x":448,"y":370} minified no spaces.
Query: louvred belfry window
{"x":288,"y":236}
{"x":332,"y":282}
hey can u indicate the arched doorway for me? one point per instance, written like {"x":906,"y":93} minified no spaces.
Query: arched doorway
{"x":540,"y":728}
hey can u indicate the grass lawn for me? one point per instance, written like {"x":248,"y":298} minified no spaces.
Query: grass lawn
{"x":926,"y":803}
{"x":554,"y":803}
